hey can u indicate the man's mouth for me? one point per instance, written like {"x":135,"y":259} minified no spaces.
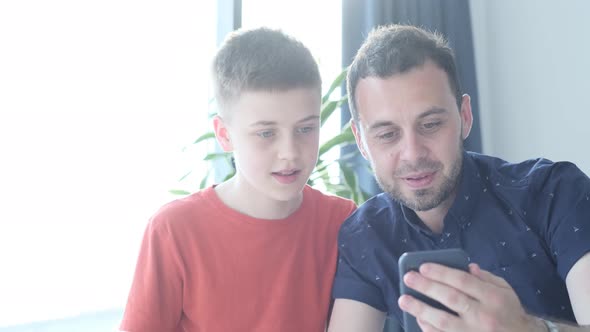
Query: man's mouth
{"x":419,"y":181}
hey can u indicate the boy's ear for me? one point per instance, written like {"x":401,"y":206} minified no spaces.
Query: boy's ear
{"x":222,"y":134}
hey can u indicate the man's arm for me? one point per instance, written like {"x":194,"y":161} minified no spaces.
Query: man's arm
{"x":354,"y":316}
{"x":578,"y":286}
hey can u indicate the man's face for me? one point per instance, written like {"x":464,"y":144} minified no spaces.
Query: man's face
{"x":411,"y":132}
{"x":274,"y":137}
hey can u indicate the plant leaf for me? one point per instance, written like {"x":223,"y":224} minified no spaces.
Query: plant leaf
{"x":216,"y":155}
{"x":203,"y":182}
{"x":346,"y":137}
{"x":328,"y":108}
{"x":335,"y":84}
{"x":204,"y":137}
{"x":229,"y":175}
{"x":179,"y":192}
{"x":184,"y":176}
{"x":350,"y":179}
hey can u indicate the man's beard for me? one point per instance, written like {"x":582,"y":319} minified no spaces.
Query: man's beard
{"x":423,"y":199}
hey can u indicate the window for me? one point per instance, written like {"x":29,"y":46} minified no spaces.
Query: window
{"x":97,"y":99}
{"x":97,"y":102}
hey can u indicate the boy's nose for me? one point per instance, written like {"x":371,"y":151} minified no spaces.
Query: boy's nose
{"x":287,"y":149}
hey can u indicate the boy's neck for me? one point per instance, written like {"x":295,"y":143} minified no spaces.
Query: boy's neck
{"x":245,"y":199}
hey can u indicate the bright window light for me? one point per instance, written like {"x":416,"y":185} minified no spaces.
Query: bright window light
{"x":97,"y":99}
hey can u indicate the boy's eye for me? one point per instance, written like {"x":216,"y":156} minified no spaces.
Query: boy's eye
{"x":304,"y":130}
{"x":265,"y":133}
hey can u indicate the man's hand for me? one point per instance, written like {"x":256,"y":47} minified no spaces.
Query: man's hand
{"x":483,"y":301}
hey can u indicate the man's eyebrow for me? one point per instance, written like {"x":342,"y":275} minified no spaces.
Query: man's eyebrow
{"x":380,"y":124}
{"x":432,"y":111}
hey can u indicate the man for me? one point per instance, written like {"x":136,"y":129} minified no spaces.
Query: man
{"x":528,"y":224}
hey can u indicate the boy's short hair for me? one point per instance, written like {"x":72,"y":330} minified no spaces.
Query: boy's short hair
{"x":396,"y":49}
{"x":261,"y":59}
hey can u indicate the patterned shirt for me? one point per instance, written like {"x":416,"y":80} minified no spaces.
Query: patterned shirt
{"x":528,"y":223}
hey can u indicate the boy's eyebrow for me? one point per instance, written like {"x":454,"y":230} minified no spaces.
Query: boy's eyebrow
{"x":311,"y":117}
{"x":263,"y":123}
{"x":271,"y":123}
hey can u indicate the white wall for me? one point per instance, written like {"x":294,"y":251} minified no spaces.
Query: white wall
{"x":533,"y":65}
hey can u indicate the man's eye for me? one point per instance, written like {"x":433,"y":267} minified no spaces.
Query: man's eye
{"x":265,"y":133}
{"x":386,"y":136}
{"x":431,"y":125}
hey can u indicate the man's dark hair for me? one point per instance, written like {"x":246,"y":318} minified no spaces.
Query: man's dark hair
{"x":396,"y":49}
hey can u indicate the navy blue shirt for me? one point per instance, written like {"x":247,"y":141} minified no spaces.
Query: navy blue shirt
{"x":528,"y":223}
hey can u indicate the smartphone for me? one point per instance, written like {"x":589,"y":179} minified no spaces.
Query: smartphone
{"x":411,"y":261}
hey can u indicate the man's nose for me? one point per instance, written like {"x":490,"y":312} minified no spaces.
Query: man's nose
{"x":412,"y":147}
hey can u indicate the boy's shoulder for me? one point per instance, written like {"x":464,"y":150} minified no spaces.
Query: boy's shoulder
{"x":328,"y":206}
{"x":318,"y":195}
{"x":191,"y":208}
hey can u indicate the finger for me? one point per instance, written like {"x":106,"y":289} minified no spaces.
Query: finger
{"x":438,"y":319}
{"x":487,"y":276}
{"x":451,"y":297}
{"x":426,"y":327}
{"x":469,"y":284}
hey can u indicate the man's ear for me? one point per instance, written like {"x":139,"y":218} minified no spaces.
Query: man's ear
{"x":466,"y":116}
{"x":222,"y":134}
{"x":358,"y":138}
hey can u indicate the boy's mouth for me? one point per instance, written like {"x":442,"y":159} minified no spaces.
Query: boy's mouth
{"x":286,"y":176}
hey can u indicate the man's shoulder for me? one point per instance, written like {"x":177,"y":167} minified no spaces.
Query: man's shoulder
{"x":377,"y":212}
{"x":527,"y":172}
{"x":538,"y":177}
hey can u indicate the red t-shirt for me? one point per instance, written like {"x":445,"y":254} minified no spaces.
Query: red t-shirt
{"x":206,"y":267}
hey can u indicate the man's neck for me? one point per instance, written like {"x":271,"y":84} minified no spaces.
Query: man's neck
{"x":434,"y":218}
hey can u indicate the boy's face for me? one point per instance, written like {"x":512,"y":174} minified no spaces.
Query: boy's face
{"x":274,"y":137}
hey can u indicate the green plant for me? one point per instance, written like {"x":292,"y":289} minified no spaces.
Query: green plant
{"x":336,"y":176}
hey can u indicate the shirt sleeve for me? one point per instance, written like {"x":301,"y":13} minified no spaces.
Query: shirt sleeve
{"x":353,"y":278}
{"x":570,"y":239}
{"x":155,"y":300}
{"x":349,"y":284}
{"x":568,"y":231}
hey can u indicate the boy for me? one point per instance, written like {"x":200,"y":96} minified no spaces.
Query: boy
{"x":257,"y":252}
